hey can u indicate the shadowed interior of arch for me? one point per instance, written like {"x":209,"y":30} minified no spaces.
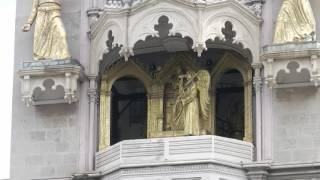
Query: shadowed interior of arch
{"x":128,"y":110}
{"x":230,"y":105}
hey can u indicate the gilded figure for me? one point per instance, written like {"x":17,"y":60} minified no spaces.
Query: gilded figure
{"x":295,"y":22}
{"x":50,"y":39}
{"x":191,"y":108}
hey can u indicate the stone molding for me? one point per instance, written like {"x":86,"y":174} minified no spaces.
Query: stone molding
{"x":278,"y":58}
{"x":63,"y":73}
{"x":254,"y":5}
{"x":274,"y":171}
{"x":174,"y":153}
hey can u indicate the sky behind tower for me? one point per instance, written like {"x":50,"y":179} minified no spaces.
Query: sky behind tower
{"x":7,"y":20}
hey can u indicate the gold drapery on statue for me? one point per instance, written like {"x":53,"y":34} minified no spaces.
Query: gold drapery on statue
{"x":50,"y":39}
{"x":192,"y":103}
{"x":295,"y":22}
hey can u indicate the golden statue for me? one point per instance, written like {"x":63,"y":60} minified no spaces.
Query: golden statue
{"x":295,"y":22}
{"x":192,"y":103}
{"x":50,"y":39}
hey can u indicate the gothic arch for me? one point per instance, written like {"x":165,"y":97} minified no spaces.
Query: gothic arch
{"x":122,"y":69}
{"x":229,"y":62}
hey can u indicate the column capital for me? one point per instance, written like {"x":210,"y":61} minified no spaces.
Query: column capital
{"x":257,"y":79}
{"x":257,"y":65}
{"x":93,"y":95}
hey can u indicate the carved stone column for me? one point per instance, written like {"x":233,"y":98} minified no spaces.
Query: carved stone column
{"x":257,"y":82}
{"x":92,"y":95}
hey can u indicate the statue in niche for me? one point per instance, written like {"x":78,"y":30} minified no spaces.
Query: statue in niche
{"x":50,"y":40}
{"x":295,"y":22}
{"x":192,"y":102}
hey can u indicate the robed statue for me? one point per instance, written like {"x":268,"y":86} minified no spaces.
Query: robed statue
{"x":50,"y":39}
{"x":295,"y":22}
{"x":192,"y":102}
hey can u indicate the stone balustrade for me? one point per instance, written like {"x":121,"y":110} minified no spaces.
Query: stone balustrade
{"x":174,"y":151}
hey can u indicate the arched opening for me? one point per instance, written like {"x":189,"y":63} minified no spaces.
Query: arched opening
{"x":230,"y":102}
{"x":128,"y":110}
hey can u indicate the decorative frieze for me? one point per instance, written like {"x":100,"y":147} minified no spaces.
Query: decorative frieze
{"x":254,"y":5}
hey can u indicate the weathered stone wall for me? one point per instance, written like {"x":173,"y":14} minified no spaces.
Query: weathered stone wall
{"x":45,"y":139}
{"x":294,"y":114}
{"x":296,"y":127}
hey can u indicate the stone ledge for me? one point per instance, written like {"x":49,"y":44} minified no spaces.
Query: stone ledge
{"x":286,"y":64}
{"x":50,"y":81}
{"x":177,"y":151}
{"x":269,"y":170}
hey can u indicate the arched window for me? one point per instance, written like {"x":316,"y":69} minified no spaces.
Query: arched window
{"x":230,"y":105}
{"x":128,"y":110}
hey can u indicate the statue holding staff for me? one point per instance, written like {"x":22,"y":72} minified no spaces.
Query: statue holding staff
{"x":50,"y":39}
{"x":192,"y":105}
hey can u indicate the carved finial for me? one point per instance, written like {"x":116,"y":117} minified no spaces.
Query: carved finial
{"x":228,"y":32}
{"x":126,"y":52}
{"x":199,"y":48}
{"x":163,"y":26}
{"x":110,"y":40}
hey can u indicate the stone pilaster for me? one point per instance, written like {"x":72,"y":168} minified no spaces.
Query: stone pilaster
{"x":93,"y":126}
{"x":257,"y":82}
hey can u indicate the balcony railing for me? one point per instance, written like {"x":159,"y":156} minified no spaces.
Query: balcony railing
{"x":171,"y":151}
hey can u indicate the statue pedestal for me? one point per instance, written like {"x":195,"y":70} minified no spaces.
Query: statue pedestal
{"x":292,"y":64}
{"x":50,"y":81}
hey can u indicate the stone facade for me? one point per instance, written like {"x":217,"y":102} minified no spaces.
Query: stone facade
{"x":52,"y":140}
{"x":46,"y":142}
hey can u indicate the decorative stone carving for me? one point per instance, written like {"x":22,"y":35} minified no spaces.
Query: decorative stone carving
{"x":94,"y":15}
{"x":293,"y":74}
{"x":183,"y":29}
{"x":63,"y":73}
{"x":296,"y":61}
{"x":254,"y":5}
{"x":228,"y":39}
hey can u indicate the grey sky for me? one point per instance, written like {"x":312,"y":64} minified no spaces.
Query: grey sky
{"x":7,"y":19}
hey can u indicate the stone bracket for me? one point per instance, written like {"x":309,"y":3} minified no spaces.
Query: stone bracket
{"x":257,"y":170}
{"x":297,"y":60}
{"x":61,"y":74}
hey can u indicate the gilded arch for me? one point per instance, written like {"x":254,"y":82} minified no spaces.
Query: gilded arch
{"x":121,"y":69}
{"x":228,"y":62}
